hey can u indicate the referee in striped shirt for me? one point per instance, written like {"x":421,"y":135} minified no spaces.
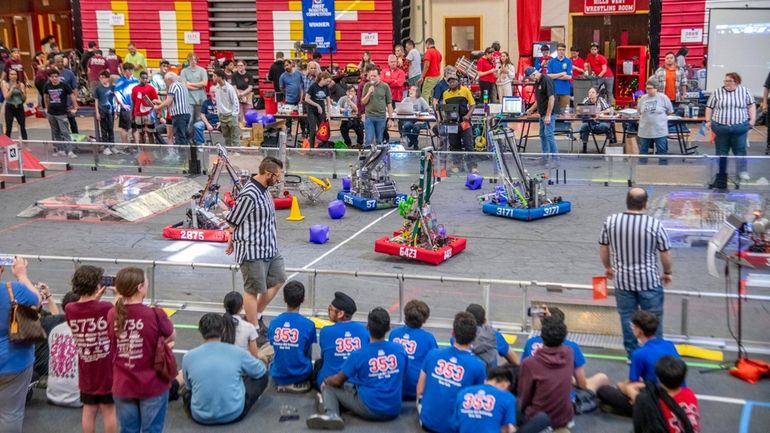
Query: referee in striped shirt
{"x":632,"y":241}
{"x":253,"y":239}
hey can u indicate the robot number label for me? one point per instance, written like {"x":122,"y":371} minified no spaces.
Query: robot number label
{"x":191,"y":235}
{"x":550,"y":210}
{"x":407,"y":252}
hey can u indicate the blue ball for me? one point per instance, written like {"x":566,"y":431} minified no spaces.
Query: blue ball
{"x":268,"y":118}
{"x":251,"y":117}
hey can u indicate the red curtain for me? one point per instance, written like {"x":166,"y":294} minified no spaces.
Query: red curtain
{"x":528,"y":14}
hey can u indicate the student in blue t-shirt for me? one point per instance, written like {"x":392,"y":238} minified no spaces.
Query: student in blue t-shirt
{"x":489,"y":342}
{"x":560,"y":70}
{"x":292,"y":336}
{"x":491,"y":407}
{"x":533,"y":344}
{"x":445,"y":372}
{"x":416,"y":341}
{"x":223,"y":381}
{"x":620,"y":399}
{"x":338,"y":341}
{"x":370,"y":383}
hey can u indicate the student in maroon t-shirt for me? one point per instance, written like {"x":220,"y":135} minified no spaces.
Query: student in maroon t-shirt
{"x":87,"y":318}
{"x":141,"y":397}
{"x":113,"y":64}
{"x":96,"y":64}
{"x":15,"y":63}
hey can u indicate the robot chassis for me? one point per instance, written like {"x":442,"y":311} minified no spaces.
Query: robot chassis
{"x":371,"y":187}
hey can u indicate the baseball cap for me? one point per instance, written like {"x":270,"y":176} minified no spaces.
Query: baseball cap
{"x":450,"y":76}
{"x":529,"y":71}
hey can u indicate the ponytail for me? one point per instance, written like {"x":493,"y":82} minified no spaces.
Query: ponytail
{"x":228,"y":329}
{"x":233,"y":304}
{"x":120,"y":315}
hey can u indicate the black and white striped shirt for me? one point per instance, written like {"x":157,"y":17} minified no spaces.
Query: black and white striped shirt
{"x":634,"y":241}
{"x":730,"y":107}
{"x":181,"y":104}
{"x":254,"y":219}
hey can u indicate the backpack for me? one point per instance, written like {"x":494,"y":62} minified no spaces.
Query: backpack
{"x":485,"y":345}
{"x":648,"y":417}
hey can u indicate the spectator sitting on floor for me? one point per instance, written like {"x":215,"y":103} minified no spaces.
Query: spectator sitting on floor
{"x":338,"y":341}
{"x":209,"y":119}
{"x":545,"y":381}
{"x":489,"y":342}
{"x":62,"y":386}
{"x":292,"y":336}
{"x":370,"y":382}
{"x":222,"y":380}
{"x":49,"y":319}
{"x":348,"y":105}
{"x":669,"y":407}
{"x":417,"y":342}
{"x":492,"y":408}
{"x":238,"y":331}
{"x":535,"y":343}
{"x":445,"y":372}
{"x":620,"y":399}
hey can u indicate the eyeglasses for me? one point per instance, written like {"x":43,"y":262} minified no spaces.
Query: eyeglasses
{"x":276,"y":175}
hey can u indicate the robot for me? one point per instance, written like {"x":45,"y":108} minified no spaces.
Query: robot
{"x":371,"y":187}
{"x":519,"y":195}
{"x":311,"y":189}
{"x":421,"y":237}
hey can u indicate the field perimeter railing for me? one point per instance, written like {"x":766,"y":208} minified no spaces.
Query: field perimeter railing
{"x":527,"y":288}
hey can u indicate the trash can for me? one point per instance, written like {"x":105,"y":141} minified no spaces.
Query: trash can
{"x":581,"y":86}
{"x":271,"y":106}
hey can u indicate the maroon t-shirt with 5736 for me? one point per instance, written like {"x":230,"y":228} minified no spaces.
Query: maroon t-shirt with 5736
{"x":88,"y":322}
{"x":133,"y":375}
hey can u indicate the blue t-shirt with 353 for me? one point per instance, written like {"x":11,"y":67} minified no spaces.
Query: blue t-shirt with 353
{"x":535,"y":343}
{"x":14,"y":358}
{"x":416,"y":342}
{"x":644,"y":358}
{"x":447,"y":371}
{"x":292,"y":336}
{"x":378,"y":371}
{"x":484,"y":408}
{"x":337,"y":342}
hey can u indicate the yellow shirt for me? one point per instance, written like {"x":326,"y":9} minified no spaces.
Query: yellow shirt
{"x":137,"y":60}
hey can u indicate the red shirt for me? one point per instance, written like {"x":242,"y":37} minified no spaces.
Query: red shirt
{"x":133,"y":374}
{"x":484,"y":65}
{"x":596,"y":62}
{"x":395,"y":80}
{"x":141,"y":107}
{"x":689,"y":403}
{"x":433,"y":57}
{"x":96,"y":64}
{"x":577,"y":62}
{"x":88,"y":322}
{"x":113,"y":62}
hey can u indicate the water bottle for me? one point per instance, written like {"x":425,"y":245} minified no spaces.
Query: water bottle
{"x":486,"y":102}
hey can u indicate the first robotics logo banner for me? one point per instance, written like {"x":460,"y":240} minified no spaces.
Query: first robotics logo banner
{"x":318,"y":19}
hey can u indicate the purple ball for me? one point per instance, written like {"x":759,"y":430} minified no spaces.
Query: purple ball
{"x":251,"y":117}
{"x":268,"y":118}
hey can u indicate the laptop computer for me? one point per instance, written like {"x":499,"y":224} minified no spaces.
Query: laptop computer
{"x":404,"y":108}
{"x":512,"y":105}
{"x":586,"y":109}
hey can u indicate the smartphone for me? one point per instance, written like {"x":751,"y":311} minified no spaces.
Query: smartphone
{"x":108,"y":280}
{"x":6,"y":260}
{"x":535,"y":311}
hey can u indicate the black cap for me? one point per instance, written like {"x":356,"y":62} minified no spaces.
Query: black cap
{"x":344,"y":303}
{"x":545,"y":47}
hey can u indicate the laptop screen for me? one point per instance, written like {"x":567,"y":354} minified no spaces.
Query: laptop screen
{"x":512,"y":105}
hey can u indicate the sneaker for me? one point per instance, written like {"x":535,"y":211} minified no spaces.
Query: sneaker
{"x":296,"y":388}
{"x":261,"y":333}
{"x":60,"y":153}
{"x":325,"y":422}
{"x":319,"y":403}
{"x":744,"y":175}
{"x":118,"y":151}
{"x":107,"y":151}
{"x":71,"y":155}
{"x":455,"y":170}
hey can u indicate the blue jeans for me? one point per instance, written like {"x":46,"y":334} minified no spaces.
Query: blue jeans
{"x":412,"y":131}
{"x":730,"y":137}
{"x":375,"y":129}
{"x":180,"y":123}
{"x":592,"y":126}
{"x":629,"y":302}
{"x":661,"y":148}
{"x":547,"y":139}
{"x":145,"y":416}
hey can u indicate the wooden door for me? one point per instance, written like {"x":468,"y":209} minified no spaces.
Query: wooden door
{"x":461,"y":37}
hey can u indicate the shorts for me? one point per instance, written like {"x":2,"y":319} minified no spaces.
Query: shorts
{"x":95,"y":399}
{"x":260,"y":274}
{"x":144,"y":123}
{"x":124,"y":120}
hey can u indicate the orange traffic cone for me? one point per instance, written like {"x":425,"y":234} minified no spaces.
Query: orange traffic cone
{"x":294,"y":213}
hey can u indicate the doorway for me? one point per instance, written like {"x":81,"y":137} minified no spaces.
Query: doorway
{"x":615,"y":30}
{"x":461,"y":37}
{"x":17,"y":32}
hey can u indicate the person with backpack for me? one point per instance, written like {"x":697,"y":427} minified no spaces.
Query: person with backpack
{"x":489,"y":342}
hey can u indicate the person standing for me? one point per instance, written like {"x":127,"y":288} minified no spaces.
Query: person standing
{"x":292,"y":86}
{"x":123,"y":88}
{"x":629,"y":245}
{"x":560,"y":71}
{"x":137,"y":59}
{"x":254,"y":242}
{"x":431,"y":68}
{"x":87,"y":56}
{"x":104,"y":95}
{"x":14,"y":94}
{"x":67,"y":76}
{"x":227,"y":108}
{"x":378,"y":102}
{"x":14,"y":62}
{"x":276,"y":70}
{"x":394,"y":78}
{"x":415,"y":63}
{"x":96,"y":64}
{"x":545,"y":101}
{"x":179,"y":102}
{"x":113,"y":62}
{"x":672,"y":80}
{"x":767,"y":112}
{"x":318,"y":102}
{"x":488,"y":71}
{"x":505,"y":77}
{"x":242,"y":83}
{"x":460,"y":143}
{"x":578,"y":64}
{"x":599,"y":66}
{"x":163,"y":134}
{"x":654,"y":109}
{"x":194,"y":78}
{"x":731,"y":113}
{"x":144,"y":123}
{"x":16,"y":359}
{"x":541,"y":63}
{"x":57,"y":95}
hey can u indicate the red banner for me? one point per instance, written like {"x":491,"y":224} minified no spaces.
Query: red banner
{"x":609,"y":7}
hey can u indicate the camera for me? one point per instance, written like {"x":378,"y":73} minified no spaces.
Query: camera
{"x":6,"y":260}
{"x":535,"y":311}
{"x":108,"y":281}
